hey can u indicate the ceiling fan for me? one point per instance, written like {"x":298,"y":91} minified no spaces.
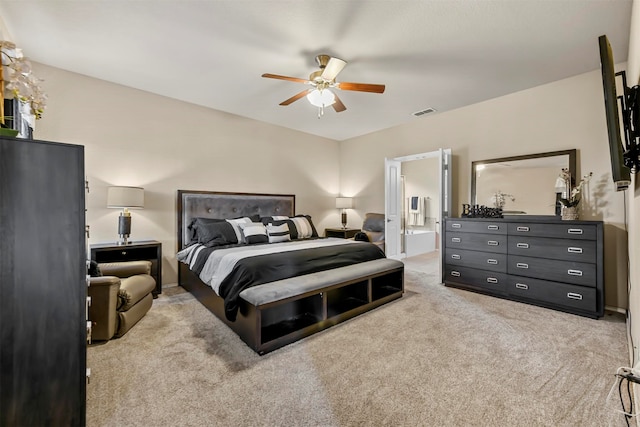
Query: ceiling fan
{"x":323,"y":80}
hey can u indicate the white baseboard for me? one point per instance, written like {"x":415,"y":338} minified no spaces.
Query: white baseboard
{"x":616,"y":309}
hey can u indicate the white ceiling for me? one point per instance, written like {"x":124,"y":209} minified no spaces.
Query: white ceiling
{"x":443,"y":54}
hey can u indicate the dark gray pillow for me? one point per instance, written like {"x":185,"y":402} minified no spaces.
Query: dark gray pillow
{"x":193,"y":226}
{"x":214,"y":233}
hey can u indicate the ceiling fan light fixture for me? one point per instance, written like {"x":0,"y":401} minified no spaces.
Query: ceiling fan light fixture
{"x":321,"y":98}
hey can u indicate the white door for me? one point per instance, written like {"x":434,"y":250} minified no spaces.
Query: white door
{"x":393,"y":208}
{"x":445,"y":201}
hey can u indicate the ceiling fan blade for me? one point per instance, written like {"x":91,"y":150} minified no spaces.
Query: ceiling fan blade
{"x":291,"y":79}
{"x":338,"y":105}
{"x":295,"y":97}
{"x":361,"y":87}
{"x":332,"y":69}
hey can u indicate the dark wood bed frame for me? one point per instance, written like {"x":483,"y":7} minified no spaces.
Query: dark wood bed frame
{"x":275,"y":325}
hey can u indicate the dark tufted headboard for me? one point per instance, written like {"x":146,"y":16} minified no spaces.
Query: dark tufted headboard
{"x":211,"y":204}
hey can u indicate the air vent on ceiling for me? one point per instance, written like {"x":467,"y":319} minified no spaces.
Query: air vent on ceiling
{"x":423,"y":112}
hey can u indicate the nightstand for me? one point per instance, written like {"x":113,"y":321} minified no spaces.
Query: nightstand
{"x":144,"y":250}
{"x":344,"y":233}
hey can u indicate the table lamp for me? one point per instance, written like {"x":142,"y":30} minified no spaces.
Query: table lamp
{"x":125,"y":198}
{"x":344,"y":203}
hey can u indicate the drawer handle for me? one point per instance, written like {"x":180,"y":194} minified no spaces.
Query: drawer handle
{"x":574,"y":231}
{"x":455,"y":239}
{"x":492,"y":280}
{"x":522,"y":245}
{"x":522,"y":265}
{"x":524,"y":229}
{"x":455,"y":225}
{"x":522,"y":286}
{"x":493,"y":227}
{"x":124,"y":252}
{"x":492,"y":261}
{"x":574,"y":272}
{"x":492,"y":243}
{"x":455,"y":256}
{"x":574,"y":250}
{"x":573,"y":295}
{"x":455,"y":273}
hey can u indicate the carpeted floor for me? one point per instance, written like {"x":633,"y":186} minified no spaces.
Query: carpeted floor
{"x":436,"y":357}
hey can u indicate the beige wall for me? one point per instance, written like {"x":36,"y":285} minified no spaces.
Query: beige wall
{"x":139,"y":139}
{"x":558,"y":116}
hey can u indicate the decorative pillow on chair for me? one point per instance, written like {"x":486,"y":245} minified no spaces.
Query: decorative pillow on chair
{"x":94,"y":269}
{"x":254,"y":232}
{"x":278,"y":233}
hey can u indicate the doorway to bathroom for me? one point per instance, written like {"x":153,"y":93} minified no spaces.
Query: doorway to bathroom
{"x":417,"y":197}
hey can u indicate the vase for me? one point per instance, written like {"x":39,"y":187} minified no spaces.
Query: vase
{"x":569,"y":212}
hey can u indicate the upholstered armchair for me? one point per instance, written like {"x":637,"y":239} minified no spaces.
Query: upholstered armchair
{"x":120,"y":297}
{"x":373,"y":227}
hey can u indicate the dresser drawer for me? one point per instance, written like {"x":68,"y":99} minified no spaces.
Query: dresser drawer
{"x":475,"y":259}
{"x":564,"y":249}
{"x":578,"y":273}
{"x":479,"y":279}
{"x":564,"y":230}
{"x":489,"y":227}
{"x":476,"y":241}
{"x":577,"y":297}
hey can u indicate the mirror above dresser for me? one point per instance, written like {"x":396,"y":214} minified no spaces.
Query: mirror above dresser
{"x":526,"y":183}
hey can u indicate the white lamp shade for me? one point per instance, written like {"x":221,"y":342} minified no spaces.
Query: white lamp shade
{"x":321,"y":98}
{"x":125,"y":197}
{"x":344,"y":202}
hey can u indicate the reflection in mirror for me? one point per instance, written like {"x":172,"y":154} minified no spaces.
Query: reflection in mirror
{"x":525,"y":184}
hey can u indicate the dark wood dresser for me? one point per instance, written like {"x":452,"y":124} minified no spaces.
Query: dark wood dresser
{"x":548,"y":262}
{"x":43,"y":285}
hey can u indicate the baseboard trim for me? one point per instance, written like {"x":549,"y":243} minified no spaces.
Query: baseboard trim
{"x":615,"y":309}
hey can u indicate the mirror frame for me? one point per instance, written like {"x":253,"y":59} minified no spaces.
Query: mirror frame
{"x":572,"y":167}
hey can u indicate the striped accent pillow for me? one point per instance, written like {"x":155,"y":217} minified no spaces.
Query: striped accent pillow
{"x":278,"y":233}
{"x":254,"y":232}
{"x":303,"y":226}
{"x":236,"y":223}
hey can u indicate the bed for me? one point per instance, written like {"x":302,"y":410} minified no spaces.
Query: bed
{"x":276,"y":291}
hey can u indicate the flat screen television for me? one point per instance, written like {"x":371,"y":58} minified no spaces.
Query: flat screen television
{"x":621,"y":174}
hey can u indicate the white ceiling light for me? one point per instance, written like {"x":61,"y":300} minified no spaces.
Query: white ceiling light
{"x":321,"y":98}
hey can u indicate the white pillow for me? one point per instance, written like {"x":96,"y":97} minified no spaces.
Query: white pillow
{"x":254,"y":232}
{"x":236,"y":227}
{"x":278,"y":233}
{"x":303,"y":227}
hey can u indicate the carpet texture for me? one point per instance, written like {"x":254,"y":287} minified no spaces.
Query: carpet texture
{"x":437,"y":357}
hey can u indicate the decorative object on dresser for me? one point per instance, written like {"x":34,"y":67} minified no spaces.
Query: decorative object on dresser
{"x":546,"y":262}
{"x":43,"y":284}
{"x":480,"y":211}
{"x":344,"y":203}
{"x":571,"y":195}
{"x":276,"y":293}
{"x":343,"y":233}
{"x":125,"y":198}
{"x":144,"y":250}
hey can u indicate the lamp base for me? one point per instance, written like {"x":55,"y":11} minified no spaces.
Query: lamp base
{"x":124,"y":228}
{"x":124,"y":240}
{"x":344,"y":220}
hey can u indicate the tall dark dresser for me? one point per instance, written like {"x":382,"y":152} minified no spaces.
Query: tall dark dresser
{"x":43,"y":285}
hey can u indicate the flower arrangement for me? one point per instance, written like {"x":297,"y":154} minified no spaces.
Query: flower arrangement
{"x":19,"y":80}
{"x":499,"y":199}
{"x":575,"y":193}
